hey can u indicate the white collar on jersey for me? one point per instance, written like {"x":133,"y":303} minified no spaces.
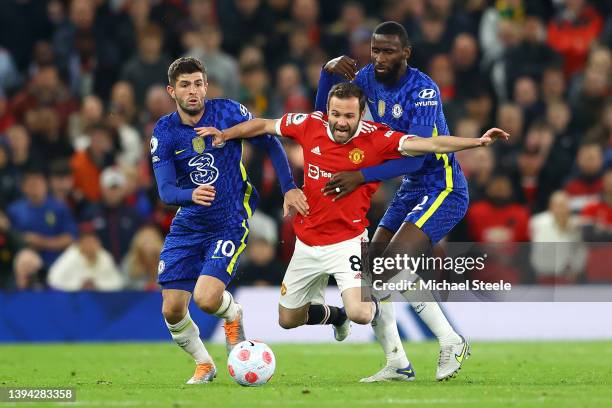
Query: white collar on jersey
{"x":354,"y":136}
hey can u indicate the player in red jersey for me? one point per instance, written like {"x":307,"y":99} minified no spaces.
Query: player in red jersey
{"x":329,"y":233}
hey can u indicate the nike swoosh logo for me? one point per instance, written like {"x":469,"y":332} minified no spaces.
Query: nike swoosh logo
{"x":404,"y":371}
{"x":216,"y":257}
{"x":179,"y":151}
{"x":460,"y":357}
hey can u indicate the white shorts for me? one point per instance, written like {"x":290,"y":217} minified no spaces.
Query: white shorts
{"x":311,"y":267}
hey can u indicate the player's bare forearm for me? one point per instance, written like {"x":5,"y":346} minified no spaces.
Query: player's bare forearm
{"x":244,"y":130}
{"x":417,"y":146}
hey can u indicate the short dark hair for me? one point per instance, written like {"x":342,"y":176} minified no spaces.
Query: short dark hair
{"x":33,"y":170}
{"x":60,"y":167}
{"x":345,"y":90}
{"x":184,"y":65}
{"x":393,"y":28}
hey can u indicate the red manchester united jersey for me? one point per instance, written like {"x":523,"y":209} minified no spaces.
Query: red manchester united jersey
{"x":331,"y":222}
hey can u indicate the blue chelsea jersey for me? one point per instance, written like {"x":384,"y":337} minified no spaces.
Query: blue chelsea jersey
{"x":197,"y":163}
{"x":413,"y":105}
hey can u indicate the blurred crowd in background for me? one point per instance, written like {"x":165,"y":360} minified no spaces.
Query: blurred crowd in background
{"x":82,"y":84}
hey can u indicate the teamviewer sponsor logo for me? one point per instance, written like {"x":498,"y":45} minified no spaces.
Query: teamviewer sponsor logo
{"x":314,"y":172}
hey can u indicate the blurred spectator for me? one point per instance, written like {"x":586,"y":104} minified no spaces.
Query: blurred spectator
{"x":501,"y":223}
{"x":61,"y":183}
{"x":48,"y":137}
{"x":532,"y":56}
{"x":290,"y":95}
{"x":572,"y":31}
{"x":128,"y":141}
{"x":498,"y":218}
{"x":510,"y":35}
{"x":499,"y":22}
{"x":553,"y":86}
{"x":250,"y":55}
{"x":201,"y":13}
{"x":510,"y":118}
{"x":122,"y":101}
{"x":351,"y":20}
{"x":598,"y":214}
{"x":6,"y":116}
{"x":46,"y":224}
{"x":206,"y":46}
{"x":28,"y":271}
{"x":9,"y":190}
{"x":299,"y":48}
{"x":135,"y":190}
{"x":256,"y":87}
{"x":586,"y":185}
{"x":22,"y":23}
{"x":91,"y":44}
{"x":478,"y":106}
{"x":149,"y":66}
{"x":602,"y":132}
{"x":9,"y":76}
{"x":542,"y":165}
{"x":455,"y":19}
{"x":466,"y":127}
{"x":558,"y":255}
{"x":242,"y":22}
{"x":597,"y":227}
{"x":464,"y":57}
{"x":431,"y":42}
{"x":90,"y":114}
{"x":44,"y":55}
{"x":139,"y":266}
{"x":85,"y":265}
{"x":88,"y":164}
{"x":261,"y":266}
{"x":481,"y":166}
{"x":45,"y":89}
{"x":158,"y":103}
{"x":114,"y":221}
{"x":527,"y":96}
{"x":589,"y":97}
{"x":441,"y":71}
{"x":559,"y":117}
{"x":19,"y":143}
{"x":305,"y":13}
{"x":10,"y":244}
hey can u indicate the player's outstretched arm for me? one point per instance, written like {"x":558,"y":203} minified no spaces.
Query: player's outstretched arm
{"x":345,"y":182}
{"x":416,"y":146}
{"x":244,"y":130}
{"x":331,"y":74}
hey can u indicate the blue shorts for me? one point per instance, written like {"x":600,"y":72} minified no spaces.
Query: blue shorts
{"x":434,"y":211}
{"x":187,"y":254}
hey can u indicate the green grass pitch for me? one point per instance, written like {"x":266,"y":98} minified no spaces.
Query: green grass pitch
{"x":520,"y":374}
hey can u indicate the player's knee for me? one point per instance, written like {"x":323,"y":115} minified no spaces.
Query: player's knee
{"x":206,"y":303}
{"x":361,"y":314}
{"x":287,"y":322}
{"x":173,"y":312}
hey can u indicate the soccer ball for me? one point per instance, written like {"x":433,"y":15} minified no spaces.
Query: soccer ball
{"x":251,"y":363}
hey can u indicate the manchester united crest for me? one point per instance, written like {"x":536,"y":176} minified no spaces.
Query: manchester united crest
{"x":356,"y":155}
{"x":198,"y":144}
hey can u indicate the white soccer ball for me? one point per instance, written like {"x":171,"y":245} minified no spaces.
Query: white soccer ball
{"x":251,"y":363}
